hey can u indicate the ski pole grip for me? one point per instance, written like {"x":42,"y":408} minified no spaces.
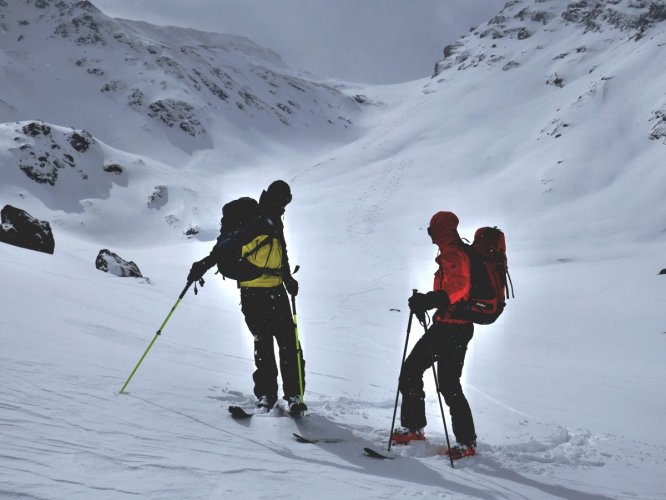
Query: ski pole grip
{"x":414,"y":291}
{"x":182,"y":294}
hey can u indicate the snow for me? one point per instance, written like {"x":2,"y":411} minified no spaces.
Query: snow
{"x":566,"y":387}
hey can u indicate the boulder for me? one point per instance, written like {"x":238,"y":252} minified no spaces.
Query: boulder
{"x":110,"y":262}
{"x":663,"y":271}
{"x":23,"y":230}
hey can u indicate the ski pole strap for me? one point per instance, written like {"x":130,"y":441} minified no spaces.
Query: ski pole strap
{"x":201,"y":284}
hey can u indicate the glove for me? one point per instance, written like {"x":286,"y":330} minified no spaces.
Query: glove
{"x":198,"y":269}
{"x":292,"y":285}
{"x":419,"y":303}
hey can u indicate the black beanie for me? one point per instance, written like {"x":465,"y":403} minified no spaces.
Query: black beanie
{"x":279,"y":193}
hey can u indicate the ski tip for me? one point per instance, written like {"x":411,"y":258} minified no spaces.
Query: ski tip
{"x":238,"y":412}
{"x":302,"y":439}
{"x":375,"y":454}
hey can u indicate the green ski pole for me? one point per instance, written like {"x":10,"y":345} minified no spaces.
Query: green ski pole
{"x":299,"y":351}
{"x":159,"y":332}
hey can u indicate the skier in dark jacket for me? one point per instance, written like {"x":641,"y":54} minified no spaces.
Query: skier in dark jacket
{"x":445,"y":342}
{"x":262,"y":251}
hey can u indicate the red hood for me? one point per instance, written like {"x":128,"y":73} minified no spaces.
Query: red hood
{"x":444,"y":228}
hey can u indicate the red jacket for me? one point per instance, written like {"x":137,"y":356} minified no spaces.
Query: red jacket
{"x":454,"y":273}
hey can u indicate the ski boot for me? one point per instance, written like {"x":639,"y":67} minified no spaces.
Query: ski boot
{"x":296,"y":407}
{"x":403,"y":435}
{"x":265,"y":404}
{"x":461,"y":451}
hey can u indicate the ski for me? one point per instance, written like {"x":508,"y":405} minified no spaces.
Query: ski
{"x":375,"y":454}
{"x":239,"y":412}
{"x":302,"y":439}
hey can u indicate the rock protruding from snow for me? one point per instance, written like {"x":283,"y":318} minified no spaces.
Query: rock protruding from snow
{"x":178,"y":114}
{"x":659,"y":129}
{"x":159,"y":198}
{"x":663,"y":271}
{"x":110,"y":262}
{"x":519,"y":20}
{"x":45,"y":156}
{"x":21,"y":229}
{"x":113,"y":168}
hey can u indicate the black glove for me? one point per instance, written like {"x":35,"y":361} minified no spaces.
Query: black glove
{"x":198,"y":269}
{"x":292,"y":285}
{"x":419,"y":303}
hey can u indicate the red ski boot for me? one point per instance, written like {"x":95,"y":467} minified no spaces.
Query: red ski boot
{"x":403,"y":435}
{"x":461,"y":451}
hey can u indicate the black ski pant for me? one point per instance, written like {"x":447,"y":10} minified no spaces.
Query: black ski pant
{"x":448,"y":344}
{"x":268,"y":315}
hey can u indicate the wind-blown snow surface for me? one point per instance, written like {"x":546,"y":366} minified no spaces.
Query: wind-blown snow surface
{"x":566,"y":388}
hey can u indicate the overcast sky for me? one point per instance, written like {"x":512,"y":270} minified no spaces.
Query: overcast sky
{"x":378,"y":41}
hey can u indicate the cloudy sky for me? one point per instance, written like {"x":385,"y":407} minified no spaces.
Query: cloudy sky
{"x":377,"y":41}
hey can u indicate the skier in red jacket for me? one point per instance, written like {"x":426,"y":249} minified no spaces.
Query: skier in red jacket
{"x":445,"y":342}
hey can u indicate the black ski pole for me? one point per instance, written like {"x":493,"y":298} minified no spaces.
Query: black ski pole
{"x":441,"y":407}
{"x":404,"y":355}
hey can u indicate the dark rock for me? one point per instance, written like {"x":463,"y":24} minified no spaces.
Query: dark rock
{"x":35,"y":129}
{"x":663,"y":271}
{"x":212,"y":86}
{"x":659,"y":129}
{"x":135,"y":99}
{"x":110,"y":262}
{"x":555,"y":80}
{"x":192,"y":230}
{"x":159,"y":198}
{"x":81,"y":141}
{"x":179,"y":114}
{"x":113,"y":168}
{"x":22,"y":230}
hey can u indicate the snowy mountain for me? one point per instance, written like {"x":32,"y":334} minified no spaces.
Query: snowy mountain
{"x":547,"y":121}
{"x":161,"y":87}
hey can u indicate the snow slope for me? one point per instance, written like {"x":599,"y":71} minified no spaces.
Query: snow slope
{"x":566,"y":387}
{"x":172,"y":90}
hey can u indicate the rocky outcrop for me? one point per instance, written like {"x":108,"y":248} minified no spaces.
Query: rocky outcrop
{"x":179,"y":114}
{"x":113,"y":168}
{"x":43,"y":158}
{"x":659,"y":129}
{"x":521,"y":19}
{"x":21,"y":229}
{"x":159,"y":198}
{"x":110,"y":262}
{"x":663,"y":271}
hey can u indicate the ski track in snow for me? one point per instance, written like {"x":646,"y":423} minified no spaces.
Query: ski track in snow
{"x":58,"y":429}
